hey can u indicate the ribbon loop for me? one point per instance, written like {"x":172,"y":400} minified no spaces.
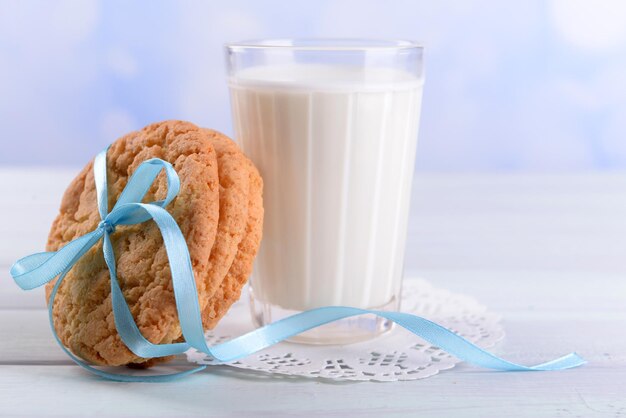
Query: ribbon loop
{"x":38,"y":269}
{"x":143,"y":178}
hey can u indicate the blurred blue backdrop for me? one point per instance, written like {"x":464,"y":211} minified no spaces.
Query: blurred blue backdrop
{"x":527,"y":85}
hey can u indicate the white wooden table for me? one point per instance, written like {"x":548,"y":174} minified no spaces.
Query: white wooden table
{"x":548,"y":252}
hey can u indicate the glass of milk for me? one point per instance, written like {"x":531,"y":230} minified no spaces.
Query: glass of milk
{"x":332,"y":126}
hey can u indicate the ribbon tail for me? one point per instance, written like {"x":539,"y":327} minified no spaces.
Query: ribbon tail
{"x":125,"y":322}
{"x":434,"y":333}
{"x":130,"y":333}
{"x":183,"y":282}
{"x":467,"y":351}
{"x":568,"y":361}
{"x":38,"y":269}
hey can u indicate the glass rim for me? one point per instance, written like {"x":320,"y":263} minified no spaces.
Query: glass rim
{"x":325,"y":44}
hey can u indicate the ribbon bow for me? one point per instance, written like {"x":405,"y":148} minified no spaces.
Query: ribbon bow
{"x":38,"y":269}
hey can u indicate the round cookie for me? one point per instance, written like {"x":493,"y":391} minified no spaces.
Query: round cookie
{"x":234,"y":181}
{"x":241,"y":268}
{"x":82,"y":312}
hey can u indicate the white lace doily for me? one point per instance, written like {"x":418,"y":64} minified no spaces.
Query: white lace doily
{"x":396,"y":355}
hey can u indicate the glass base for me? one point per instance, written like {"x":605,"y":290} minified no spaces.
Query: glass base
{"x":344,"y":331}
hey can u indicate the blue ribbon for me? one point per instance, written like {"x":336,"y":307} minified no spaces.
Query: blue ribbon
{"x":38,"y":269}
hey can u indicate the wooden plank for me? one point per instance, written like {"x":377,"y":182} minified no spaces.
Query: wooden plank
{"x":504,"y":290}
{"x":527,"y":222}
{"x":33,"y":198}
{"x":12,"y":297}
{"x":476,"y":221}
{"x":31,"y":340}
{"x":532,"y":337}
{"x":220,"y":392}
{"x":532,"y":290}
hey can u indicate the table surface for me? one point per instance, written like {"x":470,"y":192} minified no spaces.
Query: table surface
{"x":545,"y":251}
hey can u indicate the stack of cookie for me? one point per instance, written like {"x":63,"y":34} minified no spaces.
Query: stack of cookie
{"x":219,"y":210}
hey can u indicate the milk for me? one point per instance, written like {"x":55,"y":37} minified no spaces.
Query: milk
{"x":335,"y":147}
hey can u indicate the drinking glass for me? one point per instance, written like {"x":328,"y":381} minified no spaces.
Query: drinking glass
{"x":332,"y":126}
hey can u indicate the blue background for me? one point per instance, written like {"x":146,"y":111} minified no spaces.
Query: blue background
{"x":511,"y":86}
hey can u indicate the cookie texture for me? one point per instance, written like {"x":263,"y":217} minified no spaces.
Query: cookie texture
{"x":82,"y":309}
{"x":241,"y":268}
{"x":234,"y":188}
